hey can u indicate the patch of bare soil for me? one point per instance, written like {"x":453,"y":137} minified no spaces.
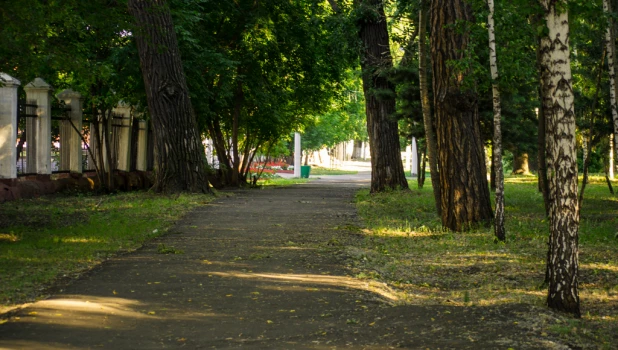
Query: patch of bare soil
{"x":262,"y":269}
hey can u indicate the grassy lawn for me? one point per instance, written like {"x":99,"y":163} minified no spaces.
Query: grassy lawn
{"x":405,"y":246}
{"x":48,"y":239}
{"x":316,"y":170}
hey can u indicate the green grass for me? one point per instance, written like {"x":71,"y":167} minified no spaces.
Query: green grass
{"x":406,"y":246}
{"x":279,"y":181}
{"x":47,"y":239}
{"x":315,"y":170}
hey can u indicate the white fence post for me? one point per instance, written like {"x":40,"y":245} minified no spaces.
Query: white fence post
{"x":71,"y":139}
{"x":142,"y":146}
{"x":38,"y":130}
{"x":297,"y":154}
{"x":123,"y":127}
{"x":9,"y":105}
{"x":415,"y":159}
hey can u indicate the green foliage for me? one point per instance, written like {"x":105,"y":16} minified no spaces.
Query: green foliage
{"x":343,"y":122}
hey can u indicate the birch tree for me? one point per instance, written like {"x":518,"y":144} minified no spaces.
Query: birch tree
{"x":558,"y":106}
{"x":497,"y":142}
{"x":610,"y":42}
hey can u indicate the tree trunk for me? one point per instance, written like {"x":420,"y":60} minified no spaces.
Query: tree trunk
{"x":238,"y":102}
{"x":588,"y":143}
{"x":386,"y":165}
{"x":430,"y":136}
{"x":492,"y":172}
{"x":497,"y":141}
{"x":520,"y":163}
{"x":542,"y":62}
{"x":610,"y":42}
{"x":218,"y":141}
{"x":180,"y":160}
{"x":464,"y":190}
{"x":610,"y":161}
{"x":558,"y":106}
{"x":421,"y":167}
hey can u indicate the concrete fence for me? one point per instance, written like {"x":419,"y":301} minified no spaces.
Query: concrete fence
{"x":127,"y":137}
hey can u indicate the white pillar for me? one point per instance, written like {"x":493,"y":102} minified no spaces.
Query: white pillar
{"x":297,"y":154}
{"x":366,"y":150}
{"x":123,"y":128}
{"x":71,"y":139}
{"x":8,"y":126}
{"x":414,"y":157}
{"x":408,"y":158}
{"x":142,"y":146}
{"x":38,"y":90}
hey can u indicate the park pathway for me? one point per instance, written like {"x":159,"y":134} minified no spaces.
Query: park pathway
{"x":261,"y":269}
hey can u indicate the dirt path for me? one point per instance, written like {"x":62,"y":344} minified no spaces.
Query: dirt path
{"x":260,"y":269}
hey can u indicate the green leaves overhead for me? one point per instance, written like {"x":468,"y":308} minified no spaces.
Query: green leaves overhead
{"x":287,"y":56}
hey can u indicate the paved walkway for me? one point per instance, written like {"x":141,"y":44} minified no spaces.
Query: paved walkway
{"x":261,"y":269}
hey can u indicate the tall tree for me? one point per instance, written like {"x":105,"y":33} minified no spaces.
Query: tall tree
{"x":179,"y":158}
{"x":543,"y":183}
{"x":610,"y":42}
{"x":430,"y":135}
{"x":376,"y":62}
{"x":497,"y":143}
{"x":463,"y":181}
{"x":558,"y":107}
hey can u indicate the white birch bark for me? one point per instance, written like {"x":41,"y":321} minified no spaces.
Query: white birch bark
{"x":497,"y":142}
{"x":558,"y":106}
{"x":610,"y":43}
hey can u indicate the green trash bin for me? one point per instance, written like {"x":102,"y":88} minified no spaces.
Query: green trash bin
{"x":305,"y":170}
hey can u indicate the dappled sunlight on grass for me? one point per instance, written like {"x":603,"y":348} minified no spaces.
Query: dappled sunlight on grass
{"x":406,"y":246}
{"x":279,"y":181}
{"x":520,"y":179}
{"x":80,"y":240}
{"x":56,"y":237}
{"x":8,"y":237}
{"x":599,"y":266}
